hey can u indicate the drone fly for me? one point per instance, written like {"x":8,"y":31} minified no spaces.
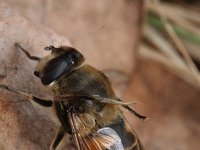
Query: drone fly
{"x":84,"y":102}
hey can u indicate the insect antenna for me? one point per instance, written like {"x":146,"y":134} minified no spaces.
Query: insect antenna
{"x":48,"y":48}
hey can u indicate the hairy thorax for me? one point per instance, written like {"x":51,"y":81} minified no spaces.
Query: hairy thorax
{"x":88,"y":81}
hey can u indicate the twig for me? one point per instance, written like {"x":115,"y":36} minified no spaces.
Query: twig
{"x":178,"y":42}
{"x":147,"y":52}
{"x":181,"y":32}
{"x":162,"y":44}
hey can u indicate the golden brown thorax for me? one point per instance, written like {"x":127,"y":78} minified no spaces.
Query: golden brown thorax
{"x":86,"y":80}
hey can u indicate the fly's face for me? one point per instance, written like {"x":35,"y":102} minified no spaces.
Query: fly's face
{"x":59,"y":62}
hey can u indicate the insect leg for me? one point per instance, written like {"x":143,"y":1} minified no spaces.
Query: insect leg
{"x":116,"y":101}
{"x":112,"y":101}
{"x":17,"y":45}
{"x":101,"y":99}
{"x":62,"y":116}
{"x":42,"y":102}
{"x":120,"y":102}
{"x":60,"y":134}
{"x":141,"y":117}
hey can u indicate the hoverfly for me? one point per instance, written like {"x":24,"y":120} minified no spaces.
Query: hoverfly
{"x":84,"y":102}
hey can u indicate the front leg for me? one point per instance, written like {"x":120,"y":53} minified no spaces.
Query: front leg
{"x":42,"y":102}
{"x":60,"y":134}
{"x":61,"y":113}
{"x":17,"y":45}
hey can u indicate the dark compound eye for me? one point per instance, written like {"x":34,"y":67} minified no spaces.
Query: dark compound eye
{"x":36,"y":73}
{"x":74,"y":56}
{"x":54,"y":70}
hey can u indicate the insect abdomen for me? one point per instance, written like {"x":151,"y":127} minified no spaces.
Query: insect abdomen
{"x":129,"y":139}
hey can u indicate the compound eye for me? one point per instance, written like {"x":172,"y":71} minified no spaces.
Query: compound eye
{"x":36,"y":73}
{"x":54,"y":69}
{"x":75,"y":57}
